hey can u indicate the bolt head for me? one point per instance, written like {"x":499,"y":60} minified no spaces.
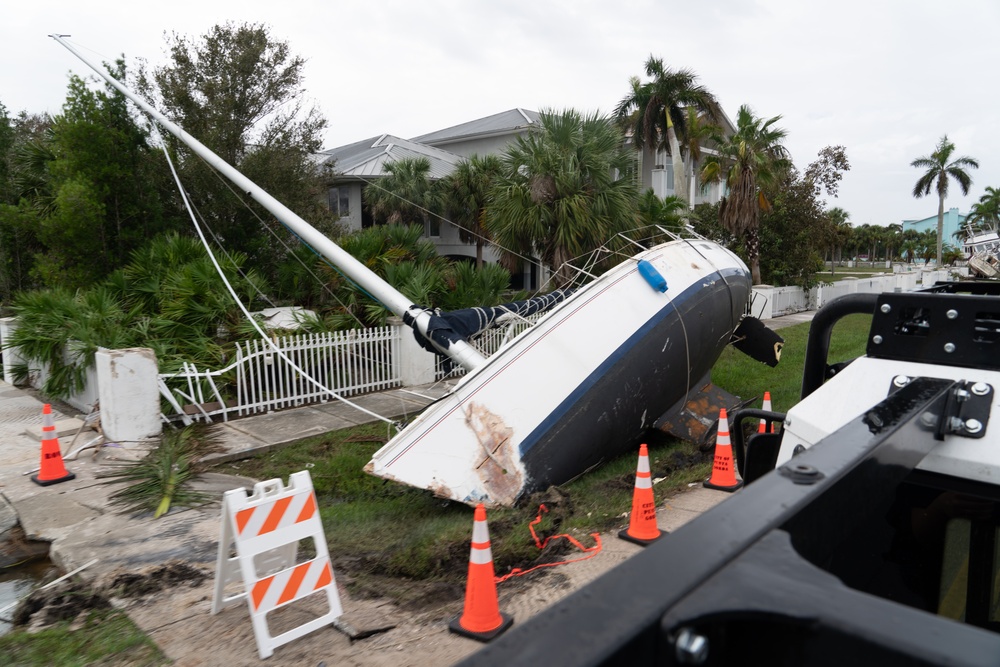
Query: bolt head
{"x":973,"y":425}
{"x":877,"y":340}
{"x":980,"y":389}
{"x":901,"y":380}
{"x":692,"y":648}
{"x":949,"y":347}
{"x":886,"y":308}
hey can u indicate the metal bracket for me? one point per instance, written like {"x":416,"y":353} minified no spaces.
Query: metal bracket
{"x":966,"y":412}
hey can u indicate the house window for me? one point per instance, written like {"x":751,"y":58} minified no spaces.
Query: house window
{"x":432,"y":226}
{"x":339,"y":201}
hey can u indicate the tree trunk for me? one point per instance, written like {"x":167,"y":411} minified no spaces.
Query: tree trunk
{"x":753,"y":254}
{"x":680,"y":177}
{"x":940,"y":228}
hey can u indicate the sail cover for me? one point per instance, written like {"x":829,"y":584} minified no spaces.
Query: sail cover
{"x":447,"y":327}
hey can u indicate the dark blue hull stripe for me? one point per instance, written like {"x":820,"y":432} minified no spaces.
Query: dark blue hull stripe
{"x":617,"y":357}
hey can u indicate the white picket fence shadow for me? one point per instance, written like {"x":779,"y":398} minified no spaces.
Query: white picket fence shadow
{"x":352,"y":362}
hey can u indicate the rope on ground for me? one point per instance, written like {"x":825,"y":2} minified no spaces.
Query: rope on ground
{"x":590,"y":551}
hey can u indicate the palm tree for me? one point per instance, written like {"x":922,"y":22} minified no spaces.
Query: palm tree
{"x":939,"y":167}
{"x":749,"y":161}
{"x":840,"y":233}
{"x":407,"y":195}
{"x":465,"y":193}
{"x":656,"y":114}
{"x":567,"y":189}
{"x":893,"y":237}
{"x":985,"y":213}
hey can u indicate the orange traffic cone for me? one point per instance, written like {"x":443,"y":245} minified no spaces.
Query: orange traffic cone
{"x":723,"y":472}
{"x":481,"y":618}
{"x":766,"y":406}
{"x":52,"y":471}
{"x":642,"y":522}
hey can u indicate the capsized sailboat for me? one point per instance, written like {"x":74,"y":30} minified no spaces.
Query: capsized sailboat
{"x":574,"y":390}
{"x":583,"y":384}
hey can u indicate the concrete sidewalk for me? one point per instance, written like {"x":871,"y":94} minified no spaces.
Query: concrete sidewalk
{"x":65,"y":513}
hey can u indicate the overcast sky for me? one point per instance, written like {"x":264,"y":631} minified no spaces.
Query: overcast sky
{"x":886,"y":79}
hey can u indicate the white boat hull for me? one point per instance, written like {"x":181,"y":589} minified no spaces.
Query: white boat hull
{"x":581,"y":385}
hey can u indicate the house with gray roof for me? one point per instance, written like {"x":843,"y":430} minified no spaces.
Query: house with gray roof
{"x":356,"y":166}
{"x":485,"y":136}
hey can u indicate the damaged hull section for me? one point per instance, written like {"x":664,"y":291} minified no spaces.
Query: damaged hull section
{"x":580,"y":386}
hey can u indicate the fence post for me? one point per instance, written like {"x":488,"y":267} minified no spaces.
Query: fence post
{"x":8,"y":325}
{"x":765,"y":294}
{"x":129,"y":394}
{"x":814,"y":301}
{"x":416,"y":365}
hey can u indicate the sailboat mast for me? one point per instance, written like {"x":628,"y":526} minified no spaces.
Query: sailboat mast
{"x":459,"y":351}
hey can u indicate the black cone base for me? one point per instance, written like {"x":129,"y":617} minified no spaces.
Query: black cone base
{"x":457,"y":628}
{"x":636,"y":540}
{"x":49,"y":482}
{"x":708,"y":485}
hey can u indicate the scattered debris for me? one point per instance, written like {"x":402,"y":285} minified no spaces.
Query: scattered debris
{"x":152,"y":580}
{"x":66,"y":602}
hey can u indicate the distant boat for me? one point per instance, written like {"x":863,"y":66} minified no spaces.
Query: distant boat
{"x":578,"y":388}
{"x":983,"y":248}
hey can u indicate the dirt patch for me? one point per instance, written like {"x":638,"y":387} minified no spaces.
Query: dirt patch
{"x":60,"y":603}
{"x":165,"y":576}
{"x":677,"y":460}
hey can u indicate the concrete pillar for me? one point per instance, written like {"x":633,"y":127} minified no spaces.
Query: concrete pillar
{"x":815,"y":299}
{"x":129,"y":394}
{"x":416,"y":365}
{"x":8,"y":325}
{"x":763,"y":302}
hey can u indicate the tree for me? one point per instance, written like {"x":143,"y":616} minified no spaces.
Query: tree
{"x":90,"y":177}
{"x":664,"y":212}
{"x":893,"y":237}
{"x":466,"y":192}
{"x":985,"y":213}
{"x":940,"y":168}
{"x":22,"y":182}
{"x":240,"y":92}
{"x":826,"y":172}
{"x":406,"y":196}
{"x":839,"y":233}
{"x":657,"y":113}
{"x":749,"y":161}
{"x":567,"y":190}
{"x":6,"y":146}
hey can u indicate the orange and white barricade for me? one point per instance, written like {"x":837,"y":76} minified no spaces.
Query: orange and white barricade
{"x":266,"y":527}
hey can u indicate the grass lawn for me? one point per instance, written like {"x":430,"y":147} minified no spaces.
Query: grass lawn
{"x":390,"y":539}
{"x":843,"y":272}
{"x":104,"y":638}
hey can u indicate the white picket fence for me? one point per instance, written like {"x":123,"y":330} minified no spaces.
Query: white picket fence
{"x":350,"y":362}
{"x":771,"y":301}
